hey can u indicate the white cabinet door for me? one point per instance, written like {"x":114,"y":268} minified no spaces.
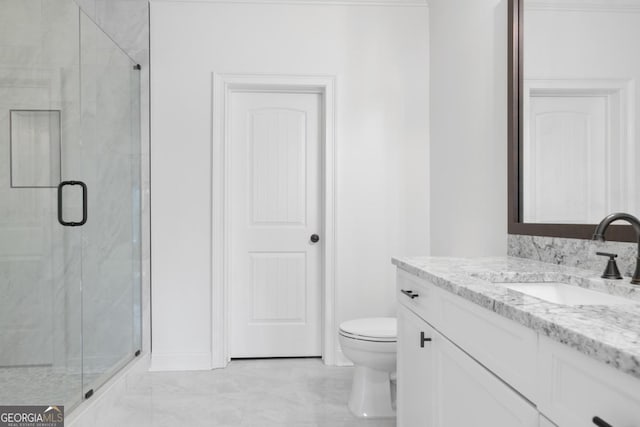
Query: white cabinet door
{"x":439,"y":385}
{"x":414,"y":364}
{"x":467,"y":394}
{"x":576,"y":388}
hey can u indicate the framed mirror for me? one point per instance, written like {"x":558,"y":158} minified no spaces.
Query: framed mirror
{"x":574,"y":110}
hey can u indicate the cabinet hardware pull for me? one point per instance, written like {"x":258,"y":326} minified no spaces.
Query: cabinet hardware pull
{"x":600,"y":422}
{"x":410,"y":294}
{"x":423,"y":339}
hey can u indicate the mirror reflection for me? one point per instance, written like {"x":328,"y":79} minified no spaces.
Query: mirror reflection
{"x":580,"y":96}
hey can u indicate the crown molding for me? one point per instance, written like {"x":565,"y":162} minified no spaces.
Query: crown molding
{"x":392,"y":3}
{"x":614,"y":6}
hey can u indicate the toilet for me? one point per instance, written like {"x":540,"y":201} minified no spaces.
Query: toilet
{"x":371,"y":345}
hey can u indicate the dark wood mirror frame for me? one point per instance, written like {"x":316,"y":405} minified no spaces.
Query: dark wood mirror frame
{"x":621,"y":233}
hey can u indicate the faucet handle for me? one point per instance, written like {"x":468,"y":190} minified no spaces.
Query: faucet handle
{"x":611,"y":256}
{"x":611,"y":272}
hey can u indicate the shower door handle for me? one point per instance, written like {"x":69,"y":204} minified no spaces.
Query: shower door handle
{"x":84,"y":204}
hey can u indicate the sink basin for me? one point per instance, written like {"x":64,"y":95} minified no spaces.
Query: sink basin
{"x":561,"y":293}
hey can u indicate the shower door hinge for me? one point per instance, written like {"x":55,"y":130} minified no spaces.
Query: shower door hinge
{"x":88,"y":394}
{"x":137,"y":353}
{"x":137,"y":67}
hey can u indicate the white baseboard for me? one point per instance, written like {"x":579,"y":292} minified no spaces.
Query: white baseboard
{"x":181,"y":362}
{"x":341,"y":359}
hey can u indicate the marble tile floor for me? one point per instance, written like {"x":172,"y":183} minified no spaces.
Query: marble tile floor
{"x":248,"y":393}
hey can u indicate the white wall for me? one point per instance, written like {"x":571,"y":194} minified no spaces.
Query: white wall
{"x":468,"y":148}
{"x":379,"y":55}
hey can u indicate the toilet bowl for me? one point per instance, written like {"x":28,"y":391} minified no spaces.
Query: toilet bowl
{"x":371,"y":345}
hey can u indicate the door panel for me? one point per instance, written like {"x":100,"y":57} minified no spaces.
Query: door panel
{"x":40,"y":260}
{"x":111,"y":239}
{"x":274,"y":272}
{"x":275,"y":287}
{"x":568,"y":168}
{"x":278,"y":166}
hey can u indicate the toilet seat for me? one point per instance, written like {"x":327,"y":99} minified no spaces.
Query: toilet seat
{"x":376,"y":329}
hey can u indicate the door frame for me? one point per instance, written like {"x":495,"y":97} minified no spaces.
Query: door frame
{"x":224,"y":85}
{"x":620,"y":119}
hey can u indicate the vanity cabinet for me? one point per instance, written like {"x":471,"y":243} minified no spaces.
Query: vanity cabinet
{"x":461,"y":365}
{"x":439,"y":385}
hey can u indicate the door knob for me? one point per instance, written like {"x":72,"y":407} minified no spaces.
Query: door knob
{"x":314,"y":238}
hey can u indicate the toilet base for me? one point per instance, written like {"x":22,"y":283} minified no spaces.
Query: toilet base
{"x":371,"y":394}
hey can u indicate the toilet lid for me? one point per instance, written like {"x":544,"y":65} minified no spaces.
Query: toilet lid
{"x":376,"y":328}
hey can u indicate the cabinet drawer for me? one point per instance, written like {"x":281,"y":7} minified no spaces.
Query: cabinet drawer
{"x":503,"y":346}
{"x":416,"y":294}
{"x":576,"y":388}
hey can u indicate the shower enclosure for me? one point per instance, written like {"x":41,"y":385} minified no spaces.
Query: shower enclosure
{"x":69,"y":204}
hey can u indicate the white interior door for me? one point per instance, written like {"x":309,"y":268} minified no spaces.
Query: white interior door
{"x":569,"y":162}
{"x":275,"y":205}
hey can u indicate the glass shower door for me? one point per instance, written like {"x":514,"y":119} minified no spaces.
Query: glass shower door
{"x":111,"y":237}
{"x":40,"y":260}
{"x":69,"y":205}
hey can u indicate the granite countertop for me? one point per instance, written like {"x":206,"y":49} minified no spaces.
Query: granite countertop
{"x":607,"y":333}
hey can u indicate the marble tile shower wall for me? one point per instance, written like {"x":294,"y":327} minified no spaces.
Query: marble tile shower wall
{"x":573,"y":252}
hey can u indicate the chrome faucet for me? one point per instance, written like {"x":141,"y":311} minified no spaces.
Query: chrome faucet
{"x":635,"y":222}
